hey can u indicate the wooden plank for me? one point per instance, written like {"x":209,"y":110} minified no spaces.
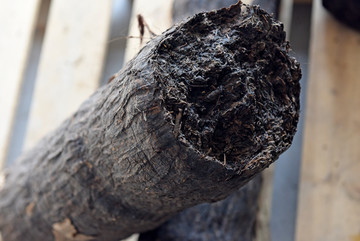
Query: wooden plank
{"x":158,"y":16}
{"x":285,"y":15}
{"x":17,"y":25}
{"x":329,"y":198}
{"x":71,"y":62}
{"x":262,"y":230}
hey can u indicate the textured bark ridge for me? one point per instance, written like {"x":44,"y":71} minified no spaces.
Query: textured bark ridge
{"x":201,"y":109}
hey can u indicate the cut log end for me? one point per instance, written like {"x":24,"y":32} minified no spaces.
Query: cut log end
{"x":231,"y":92}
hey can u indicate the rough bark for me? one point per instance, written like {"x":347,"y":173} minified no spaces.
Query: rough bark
{"x":231,"y":219}
{"x":183,"y":9}
{"x":346,"y":11}
{"x":194,"y":116}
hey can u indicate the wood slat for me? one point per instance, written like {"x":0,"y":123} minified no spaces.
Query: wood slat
{"x":285,"y":15}
{"x":71,"y":62}
{"x":17,"y":25}
{"x":329,"y":198}
{"x":157,"y":14}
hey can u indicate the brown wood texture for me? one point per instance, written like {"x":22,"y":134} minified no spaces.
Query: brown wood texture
{"x":134,"y":154}
{"x":329,"y":200}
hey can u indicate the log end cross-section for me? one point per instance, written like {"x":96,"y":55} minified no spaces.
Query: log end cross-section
{"x":195,"y":115}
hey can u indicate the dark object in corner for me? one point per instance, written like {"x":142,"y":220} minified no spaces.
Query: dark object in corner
{"x":346,"y":11}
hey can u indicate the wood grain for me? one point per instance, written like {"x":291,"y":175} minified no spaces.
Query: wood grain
{"x":329,"y":199}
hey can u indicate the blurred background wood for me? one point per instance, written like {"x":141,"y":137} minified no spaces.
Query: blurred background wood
{"x":70,"y":64}
{"x":17,"y":26}
{"x":329,"y":198}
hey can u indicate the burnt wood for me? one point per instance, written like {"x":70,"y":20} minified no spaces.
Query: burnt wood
{"x":195,"y":115}
{"x":231,"y":219}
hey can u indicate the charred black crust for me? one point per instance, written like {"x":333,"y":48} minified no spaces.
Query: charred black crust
{"x":236,"y":86}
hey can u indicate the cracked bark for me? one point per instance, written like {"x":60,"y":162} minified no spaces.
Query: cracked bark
{"x":121,"y":164}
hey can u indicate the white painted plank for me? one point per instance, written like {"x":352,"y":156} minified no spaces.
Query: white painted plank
{"x":329,"y":198}
{"x":17,"y":25}
{"x":285,"y":15}
{"x":71,"y":62}
{"x":157,"y":14}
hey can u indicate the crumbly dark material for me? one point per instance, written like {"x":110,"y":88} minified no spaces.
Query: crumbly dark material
{"x":346,"y":11}
{"x":235,"y":89}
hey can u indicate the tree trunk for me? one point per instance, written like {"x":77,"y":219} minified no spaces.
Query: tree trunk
{"x":234,"y":218}
{"x":194,"y":116}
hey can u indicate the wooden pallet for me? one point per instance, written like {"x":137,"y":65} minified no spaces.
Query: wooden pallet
{"x":70,"y":68}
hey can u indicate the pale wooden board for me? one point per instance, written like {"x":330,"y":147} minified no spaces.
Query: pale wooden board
{"x":71,"y":62}
{"x":17,"y":25}
{"x":157,"y":14}
{"x":285,"y":15}
{"x":263,"y":217}
{"x":329,"y":198}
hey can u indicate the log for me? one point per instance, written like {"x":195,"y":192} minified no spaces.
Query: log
{"x":232,"y":219}
{"x":182,"y":9}
{"x":195,"y":115}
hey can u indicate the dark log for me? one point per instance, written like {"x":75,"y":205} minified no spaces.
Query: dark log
{"x":346,"y":11}
{"x":194,"y":116}
{"x":232,"y":219}
{"x":183,"y":9}
{"x":186,"y":8}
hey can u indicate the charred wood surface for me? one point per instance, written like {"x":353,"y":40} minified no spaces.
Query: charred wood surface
{"x":231,"y":219}
{"x":202,"y":108}
{"x":183,"y":9}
